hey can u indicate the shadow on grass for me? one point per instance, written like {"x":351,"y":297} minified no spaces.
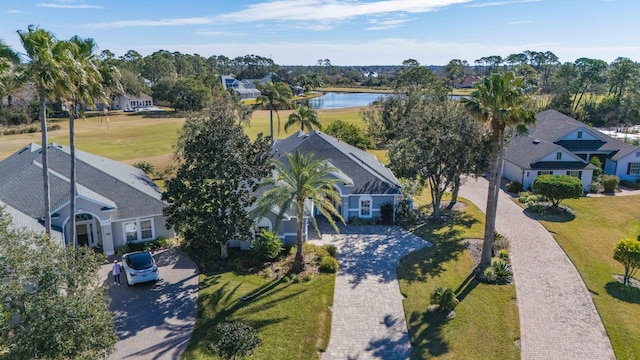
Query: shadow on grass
{"x":466,"y":287}
{"x":559,"y":215}
{"x":630,"y":294}
{"x":429,"y":341}
{"x":447,"y":245}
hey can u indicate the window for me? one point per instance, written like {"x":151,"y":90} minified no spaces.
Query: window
{"x":637,"y":153}
{"x":575,"y":173}
{"x":146,"y":229}
{"x":633,"y":169}
{"x":365,"y":207}
{"x":558,"y":156}
{"x":131,"y":231}
{"x":579,"y":134}
{"x":545,"y":172}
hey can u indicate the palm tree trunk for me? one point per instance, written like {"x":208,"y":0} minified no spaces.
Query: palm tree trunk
{"x":45,"y":163}
{"x":454,"y":192}
{"x":72,"y":178}
{"x":298,"y":262}
{"x":492,"y":198}
{"x":271,"y":122}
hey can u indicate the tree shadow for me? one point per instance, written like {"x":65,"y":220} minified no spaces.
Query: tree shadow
{"x":467,"y":286}
{"x":630,"y":294}
{"x":428,"y":341}
{"x":559,"y":216}
{"x":393,"y":346}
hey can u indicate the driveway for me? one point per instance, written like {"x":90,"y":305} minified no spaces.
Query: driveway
{"x":155,"y":321}
{"x":558,"y":319}
{"x":368,"y":318}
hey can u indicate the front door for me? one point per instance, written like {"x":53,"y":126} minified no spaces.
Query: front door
{"x":84,"y":234}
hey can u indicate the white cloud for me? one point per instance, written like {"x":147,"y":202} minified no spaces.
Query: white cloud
{"x":386,"y":24}
{"x":148,"y":23}
{"x":501,"y":3}
{"x":329,"y":10}
{"x":520,"y":22}
{"x":68,"y":5}
{"x":13,"y":11}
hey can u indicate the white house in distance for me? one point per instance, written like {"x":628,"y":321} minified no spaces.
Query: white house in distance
{"x":116,"y":203}
{"x":560,"y":145}
{"x":132,"y":102}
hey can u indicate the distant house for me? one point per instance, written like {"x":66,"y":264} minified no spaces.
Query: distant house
{"x":372,"y":74}
{"x":467,"y":82}
{"x":560,"y":145}
{"x":132,"y":102}
{"x":243,"y":90}
{"x":368,"y":183}
{"x":116,"y":203}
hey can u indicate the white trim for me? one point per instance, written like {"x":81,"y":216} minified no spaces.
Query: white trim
{"x":134,"y":218}
{"x":362,"y":199}
{"x":139,"y":238}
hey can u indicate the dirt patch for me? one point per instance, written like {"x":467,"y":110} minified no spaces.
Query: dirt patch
{"x":474,"y":246}
{"x":633,"y":282}
{"x":458,"y":206}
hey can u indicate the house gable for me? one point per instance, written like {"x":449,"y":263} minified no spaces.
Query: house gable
{"x":582,"y":133}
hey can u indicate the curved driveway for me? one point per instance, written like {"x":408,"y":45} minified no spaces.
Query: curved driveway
{"x":368,"y":318}
{"x":558,"y":319}
{"x":155,"y":321}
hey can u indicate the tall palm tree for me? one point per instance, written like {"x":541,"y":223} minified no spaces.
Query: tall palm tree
{"x":85,"y":81}
{"x":499,"y":102}
{"x":8,"y":61}
{"x":305,"y":116}
{"x":275,"y":96}
{"x":46,"y":74}
{"x":302,"y":178}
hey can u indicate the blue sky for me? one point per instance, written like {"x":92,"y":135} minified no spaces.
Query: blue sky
{"x":348,"y":32}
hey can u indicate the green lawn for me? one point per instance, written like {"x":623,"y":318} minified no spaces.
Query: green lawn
{"x":486,"y":325}
{"x":588,"y":240}
{"x":292,"y":319}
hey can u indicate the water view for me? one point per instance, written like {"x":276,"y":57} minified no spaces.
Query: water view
{"x":337,"y":100}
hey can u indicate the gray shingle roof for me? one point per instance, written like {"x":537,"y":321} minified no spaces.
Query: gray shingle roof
{"x":367,"y":173}
{"x":107,"y":182}
{"x":24,"y":221}
{"x":543,"y":139}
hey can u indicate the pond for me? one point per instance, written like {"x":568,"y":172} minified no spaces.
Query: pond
{"x":338,"y":100}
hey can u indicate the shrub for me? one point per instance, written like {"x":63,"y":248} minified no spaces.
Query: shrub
{"x":558,"y":187}
{"x":328,"y":264}
{"x":500,"y":242}
{"x":445,"y":298}
{"x":386,"y":213}
{"x":610,"y":183}
{"x":502,"y":268}
{"x":267,"y":245}
{"x":332,"y":250}
{"x":630,"y":184}
{"x":529,"y":198}
{"x":148,"y":168}
{"x":597,"y":172}
{"x":488,"y":276}
{"x":404,"y":213}
{"x":235,"y":340}
{"x":595,"y":187}
{"x":627,"y":252}
{"x":514,"y":187}
{"x":503,"y":254}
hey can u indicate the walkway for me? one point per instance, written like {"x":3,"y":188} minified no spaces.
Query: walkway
{"x":155,"y":321}
{"x":558,"y":319}
{"x":368,"y":317}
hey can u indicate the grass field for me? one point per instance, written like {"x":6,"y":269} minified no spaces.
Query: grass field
{"x":486,"y":324}
{"x":293,"y":320}
{"x":588,"y":240}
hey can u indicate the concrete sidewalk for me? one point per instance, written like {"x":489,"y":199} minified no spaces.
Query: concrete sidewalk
{"x":558,"y":319}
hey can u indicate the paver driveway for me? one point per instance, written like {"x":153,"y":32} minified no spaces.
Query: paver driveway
{"x":368,"y":318}
{"x":558,"y":319}
{"x":155,"y":321}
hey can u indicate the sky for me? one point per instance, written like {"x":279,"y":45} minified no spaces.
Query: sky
{"x":347,"y":32}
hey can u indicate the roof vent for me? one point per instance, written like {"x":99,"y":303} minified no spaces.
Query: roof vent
{"x":536,"y":141}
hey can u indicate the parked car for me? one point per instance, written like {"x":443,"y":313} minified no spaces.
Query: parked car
{"x":139,"y":267}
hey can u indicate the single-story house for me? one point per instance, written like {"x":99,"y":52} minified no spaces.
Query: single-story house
{"x":368,"y":184}
{"x":116,"y":203}
{"x":560,"y":145}
{"x":131,"y":102}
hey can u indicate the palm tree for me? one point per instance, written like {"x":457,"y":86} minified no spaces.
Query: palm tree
{"x":305,"y":116}
{"x":85,"y":81}
{"x":46,"y":74}
{"x":302,"y":178}
{"x":8,"y":61}
{"x":274,"y":96}
{"x":498,"y":101}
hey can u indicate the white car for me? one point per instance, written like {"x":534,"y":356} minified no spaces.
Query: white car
{"x":139,"y":267}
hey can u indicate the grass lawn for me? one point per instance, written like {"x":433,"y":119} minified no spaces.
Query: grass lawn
{"x":292,"y":319}
{"x":588,"y":240}
{"x":486,"y":325}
